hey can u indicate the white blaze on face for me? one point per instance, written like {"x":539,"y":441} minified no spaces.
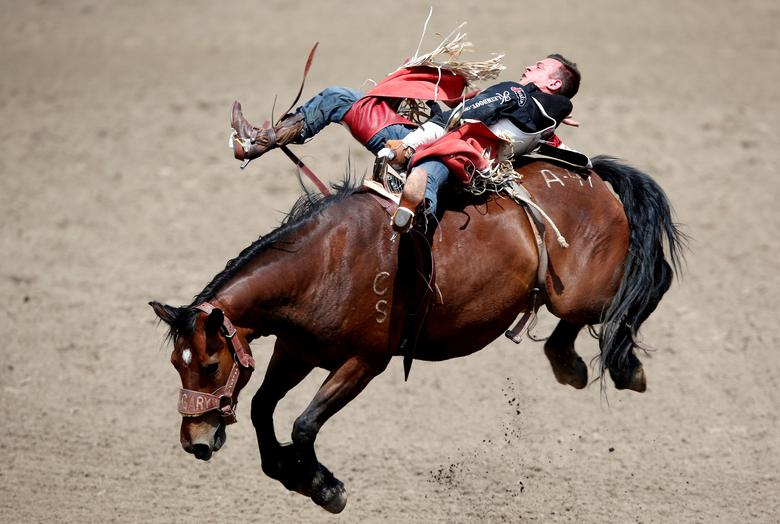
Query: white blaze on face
{"x":186,"y":356}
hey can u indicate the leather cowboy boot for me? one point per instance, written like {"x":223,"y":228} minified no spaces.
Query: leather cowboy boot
{"x":411,"y":197}
{"x":249,"y":142}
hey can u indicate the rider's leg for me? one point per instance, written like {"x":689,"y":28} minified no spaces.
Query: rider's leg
{"x":250,"y":142}
{"x":422,"y":186}
{"x":327,"y":107}
{"x":438,"y":174}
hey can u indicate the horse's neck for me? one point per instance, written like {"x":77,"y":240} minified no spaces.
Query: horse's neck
{"x":266,"y":292}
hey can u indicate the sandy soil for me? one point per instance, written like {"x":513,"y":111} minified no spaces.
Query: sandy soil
{"x":116,"y":187}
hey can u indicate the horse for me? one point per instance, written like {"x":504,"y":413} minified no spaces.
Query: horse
{"x":330,"y":285}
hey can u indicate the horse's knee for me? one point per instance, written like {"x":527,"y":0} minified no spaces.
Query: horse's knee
{"x":304,"y":431}
{"x":257,"y":408}
{"x":262,"y":409}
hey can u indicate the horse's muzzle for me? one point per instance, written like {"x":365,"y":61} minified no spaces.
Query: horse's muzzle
{"x":202,"y":441}
{"x":202,"y":451}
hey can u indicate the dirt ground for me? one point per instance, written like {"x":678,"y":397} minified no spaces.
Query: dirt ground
{"x":116,"y":188}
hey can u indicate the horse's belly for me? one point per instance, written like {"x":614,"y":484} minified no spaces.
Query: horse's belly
{"x":483,"y":279}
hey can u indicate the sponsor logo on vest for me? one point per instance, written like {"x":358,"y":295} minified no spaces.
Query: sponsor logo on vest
{"x":520,"y":94}
{"x":501,"y":98}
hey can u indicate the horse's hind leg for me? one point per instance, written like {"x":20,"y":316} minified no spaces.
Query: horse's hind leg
{"x":283,"y":373}
{"x":629,"y":376}
{"x":341,"y":386}
{"x":567,"y":365}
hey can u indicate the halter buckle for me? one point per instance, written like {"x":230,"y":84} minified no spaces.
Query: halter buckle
{"x":226,"y":410}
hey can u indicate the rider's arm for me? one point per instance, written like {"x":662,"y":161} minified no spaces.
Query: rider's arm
{"x":489,"y":105}
{"x":425,"y":134}
{"x":404,"y":149}
{"x":486,"y":106}
{"x":557,"y":107}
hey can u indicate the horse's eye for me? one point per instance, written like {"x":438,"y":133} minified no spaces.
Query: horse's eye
{"x":210,"y":369}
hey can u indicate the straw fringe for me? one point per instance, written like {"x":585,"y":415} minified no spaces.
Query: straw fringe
{"x":495,"y":179}
{"x":447,"y":55}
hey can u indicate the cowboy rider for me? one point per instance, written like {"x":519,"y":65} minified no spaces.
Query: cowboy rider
{"x":523,"y":112}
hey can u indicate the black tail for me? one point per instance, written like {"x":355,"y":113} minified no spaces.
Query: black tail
{"x":648,"y":273}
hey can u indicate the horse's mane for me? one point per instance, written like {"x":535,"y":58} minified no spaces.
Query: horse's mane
{"x":308,"y":206}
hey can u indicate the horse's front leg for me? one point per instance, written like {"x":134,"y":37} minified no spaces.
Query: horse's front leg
{"x":342,"y":385}
{"x":284,"y":372}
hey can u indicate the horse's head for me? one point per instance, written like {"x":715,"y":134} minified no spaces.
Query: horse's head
{"x":214,"y":363}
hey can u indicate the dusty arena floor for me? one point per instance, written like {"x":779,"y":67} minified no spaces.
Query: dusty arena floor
{"x":116,"y":188}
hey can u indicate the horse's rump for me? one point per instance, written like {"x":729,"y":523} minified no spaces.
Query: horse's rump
{"x":583,"y":277}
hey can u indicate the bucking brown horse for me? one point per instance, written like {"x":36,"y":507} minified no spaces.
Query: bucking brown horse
{"x":328,"y":284}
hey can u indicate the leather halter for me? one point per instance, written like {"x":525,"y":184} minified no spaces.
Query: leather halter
{"x":196,"y":403}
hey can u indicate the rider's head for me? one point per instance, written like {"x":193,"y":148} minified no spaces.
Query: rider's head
{"x":554,"y":74}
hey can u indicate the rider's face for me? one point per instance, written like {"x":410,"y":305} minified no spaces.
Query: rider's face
{"x":543,"y":75}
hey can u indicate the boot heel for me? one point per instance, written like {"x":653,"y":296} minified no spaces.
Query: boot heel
{"x":239,"y":152}
{"x":402,"y":219}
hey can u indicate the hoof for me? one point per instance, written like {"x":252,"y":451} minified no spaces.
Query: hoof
{"x":578,"y":378}
{"x":636,"y":381}
{"x":328,"y":491}
{"x":574,"y":374}
{"x":335,"y":500}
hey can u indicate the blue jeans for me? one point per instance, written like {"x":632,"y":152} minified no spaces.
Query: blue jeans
{"x":437,"y":176}
{"x":332,"y":104}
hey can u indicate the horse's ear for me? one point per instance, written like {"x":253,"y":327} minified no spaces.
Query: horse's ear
{"x":165,"y":312}
{"x":214,"y":320}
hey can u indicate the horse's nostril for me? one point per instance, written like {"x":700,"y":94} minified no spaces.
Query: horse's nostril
{"x":201,"y":451}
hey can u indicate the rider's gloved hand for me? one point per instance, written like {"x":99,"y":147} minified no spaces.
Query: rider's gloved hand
{"x":401,"y":153}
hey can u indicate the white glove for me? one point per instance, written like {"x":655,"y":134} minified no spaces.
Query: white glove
{"x":425,"y":134}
